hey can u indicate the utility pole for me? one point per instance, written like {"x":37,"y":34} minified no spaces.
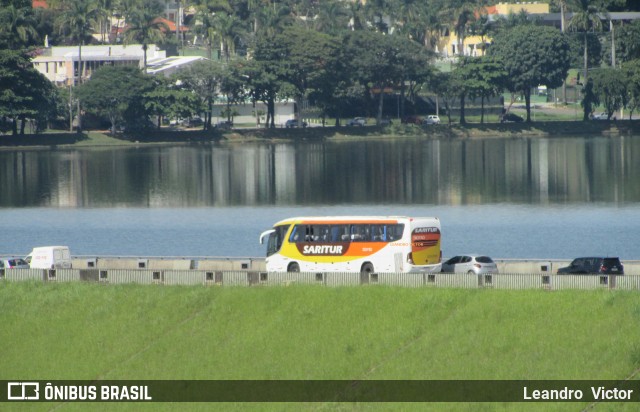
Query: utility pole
{"x":562,"y":29}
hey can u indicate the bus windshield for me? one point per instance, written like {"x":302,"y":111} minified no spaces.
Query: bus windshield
{"x":275,"y":239}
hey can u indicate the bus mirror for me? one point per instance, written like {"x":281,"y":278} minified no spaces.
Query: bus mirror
{"x":265,"y":234}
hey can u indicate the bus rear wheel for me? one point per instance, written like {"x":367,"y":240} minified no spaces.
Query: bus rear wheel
{"x":366,"y":269}
{"x":293,"y":267}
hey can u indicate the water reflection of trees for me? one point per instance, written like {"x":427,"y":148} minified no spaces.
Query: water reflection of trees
{"x":401,"y":171}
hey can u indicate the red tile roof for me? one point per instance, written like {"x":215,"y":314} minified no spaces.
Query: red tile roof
{"x":171,"y":24}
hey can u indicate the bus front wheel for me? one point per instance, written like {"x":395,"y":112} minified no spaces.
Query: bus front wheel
{"x":293,"y":267}
{"x":367,"y":268}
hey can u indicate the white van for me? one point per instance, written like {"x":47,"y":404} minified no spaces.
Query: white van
{"x":49,"y":257}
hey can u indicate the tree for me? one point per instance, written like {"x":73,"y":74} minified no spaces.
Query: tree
{"x":105,"y":9}
{"x":144,"y":26}
{"x":418,"y":21}
{"x":24,"y":92}
{"x":169,"y":99}
{"x":233,"y":85}
{"x":204,"y":78}
{"x":632,"y":73}
{"x":118,"y":93}
{"x":306,"y":61}
{"x":629,"y":41}
{"x":589,"y":99}
{"x":586,"y":17}
{"x":77,"y":17}
{"x":264,"y":74}
{"x":562,"y":4}
{"x":357,"y":17}
{"x":204,"y":21}
{"x":227,"y":30}
{"x":332,"y":18}
{"x":531,"y":56}
{"x":378,"y":62}
{"x":17,"y":25}
{"x":610,"y":85}
{"x":270,"y":19}
{"x":447,"y":86}
{"x":464,"y":16}
{"x":375,"y":10}
{"x":482,"y":77}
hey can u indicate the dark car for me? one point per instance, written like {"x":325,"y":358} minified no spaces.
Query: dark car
{"x":594,"y":265}
{"x":195,"y":121}
{"x":412,"y":120}
{"x":224,"y":125}
{"x":294,"y":123}
{"x":511,"y":118}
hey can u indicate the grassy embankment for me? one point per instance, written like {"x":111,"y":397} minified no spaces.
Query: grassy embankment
{"x":456,"y":131}
{"x":100,"y":332}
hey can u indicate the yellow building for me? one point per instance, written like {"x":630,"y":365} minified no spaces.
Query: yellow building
{"x":475,"y":45}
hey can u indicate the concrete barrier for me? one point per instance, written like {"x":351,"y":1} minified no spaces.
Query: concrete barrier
{"x":168,"y":263}
{"x":526,"y":266}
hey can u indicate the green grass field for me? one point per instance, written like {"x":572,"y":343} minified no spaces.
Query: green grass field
{"x":87,"y":331}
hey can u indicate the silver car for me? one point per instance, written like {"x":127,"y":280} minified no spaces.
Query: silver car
{"x":357,"y":121}
{"x":13,"y":263}
{"x":432,"y":119}
{"x":471,"y":264}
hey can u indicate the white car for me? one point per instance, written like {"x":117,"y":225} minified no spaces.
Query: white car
{"x":600,"y":116}
{"x":471,"y":264}
{"x":432,"y":119}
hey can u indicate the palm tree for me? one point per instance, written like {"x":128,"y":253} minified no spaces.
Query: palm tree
{"x":464,"y":16}
{"x":413,"y":20}
{"x":105,"y":9}
{"x":205,"y":19}
{"x":332,"y":17}
{"x":376,"y":10}
{"x":145,"y":27}
{"x":586,"y":17}
{"x":17,"y":27}
{"x":226,"y":29}
{"x":563,"y":8}
{"x":77,"y":16}
{"x":356,"y":14}
{"x":271,"y":18}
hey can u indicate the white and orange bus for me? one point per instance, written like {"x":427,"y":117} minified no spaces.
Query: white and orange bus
{"x":365,"y":244}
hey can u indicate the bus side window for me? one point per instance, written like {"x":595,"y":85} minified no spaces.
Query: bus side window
{"x":323,"y":232}
{"x":336,"y":236}
{"x":395,"y":232}
{"x":360,"y":233}
{"x":379,"y":233}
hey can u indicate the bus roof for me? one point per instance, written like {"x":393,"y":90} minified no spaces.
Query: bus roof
{"x":350,"y":219}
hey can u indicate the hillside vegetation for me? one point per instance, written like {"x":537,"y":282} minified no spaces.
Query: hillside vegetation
{"x":87,"y":331}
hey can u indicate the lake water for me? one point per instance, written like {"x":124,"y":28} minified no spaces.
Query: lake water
{"x":508,"y":198}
